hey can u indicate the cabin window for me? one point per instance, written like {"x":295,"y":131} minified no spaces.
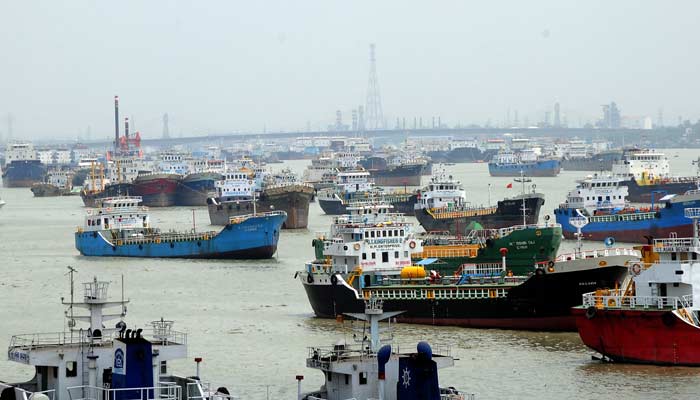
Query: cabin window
{"x":401,"y":232}
{"x":396,"y":254}
{"x":363,"y":378}
{"x":374,"y":255}
{"x":385,"y":256}
{"x":405,"y":253}
{"x":71,"y":369}
{"x":163,"y":367}
{"x":391,"y":233}
{"x":372,"y":233}
{"x":347,"y":379}
{"x":364,"y":256}
{"x":674,"y":257}
{"x":366,"y":234}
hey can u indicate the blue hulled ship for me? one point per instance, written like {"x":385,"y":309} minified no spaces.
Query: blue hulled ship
{"x":512,"y":164}
{"x":600,"y":204}
{"x":120,"y":227}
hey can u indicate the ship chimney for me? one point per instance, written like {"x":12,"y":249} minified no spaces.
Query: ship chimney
{"x":116,"y":123}
{"x":126,"y":133}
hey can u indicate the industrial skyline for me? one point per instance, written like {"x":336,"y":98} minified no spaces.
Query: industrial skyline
{"x":234,"y":67}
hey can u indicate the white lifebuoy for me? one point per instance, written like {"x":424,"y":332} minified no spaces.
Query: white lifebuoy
{"x":356,"y":246}
{"x":89,"y":212}
{"x":412,"y":244}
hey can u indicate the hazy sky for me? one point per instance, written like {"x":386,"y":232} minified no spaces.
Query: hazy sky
{"x":220,"y":66}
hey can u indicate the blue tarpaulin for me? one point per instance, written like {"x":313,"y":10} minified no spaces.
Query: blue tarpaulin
{"x":426,"y":261}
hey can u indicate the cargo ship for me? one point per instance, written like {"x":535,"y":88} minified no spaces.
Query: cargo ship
{"x":237,"y":195}
{"x":461,"y":152}
{"x":96,"y":355}
{"x":508,"y":163}
{"x":523,"y":247}
{"x":599,"y":203}
{"x":194,"y":189}
{"x":157,"y":189}
{"x":647,"y":173}
{"x":357,"y":186}
{"x":120,"y":227}
{"x":56,"y":183}
{"x":368,"y":255}
{"x":394,"y":174}
{"x":22,"y":166}
{"x":442,"y":206}
{"x":581,"y":157}
{"x":654,"y":319}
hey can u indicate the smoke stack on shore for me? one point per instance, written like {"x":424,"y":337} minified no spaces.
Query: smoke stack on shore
{"x":116,"y":123}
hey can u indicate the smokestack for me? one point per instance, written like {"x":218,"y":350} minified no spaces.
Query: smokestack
{"x":126,"y":128}
{"x":116,"y":122}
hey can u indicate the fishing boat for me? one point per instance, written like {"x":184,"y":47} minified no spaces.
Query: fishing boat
{"x":368,"y":254}
{"x":654,"y":319}
{"x":442,"y":206}
{"x":508,"y":163}
{"x":121,"y":227}
{"x":602,"y":201}
{"x":93,"y":359}
{"x":373,"y":367}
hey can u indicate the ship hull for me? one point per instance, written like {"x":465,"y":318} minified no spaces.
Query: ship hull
{"x":48,"y":190}
{"x":543,"y":302}
{"x":508,"y":213}
{"x":403,"y":203}
{"x":643,"y":193}
{"x":404,"y":175}
{"x":294,"y":200}
{"x":598,"y":162}
{"x":113,"y":190}
{"x":667,"y":221}
{"x":157,"y":190}
{"x":23,"y":173}
{"x":639,"y":336}
{"x":253,"y":238}
{"x":460,"y":155}
{"x":526,"y":248}
{"x":547,"y":168}
{"x":195,"y":189}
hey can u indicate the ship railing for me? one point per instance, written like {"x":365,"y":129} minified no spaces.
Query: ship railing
{"x":241,"y":218}
{"x":616,"y":298}
{"x":633,"y":216}
{"x":461,"y":211}
{"x":676,"y":245}
{"x":22,"y":394}
{"x":87,"y":392}
{"x":197,"y":390}
{"x":32,"y":341}
{"x":372,"y":219}
{"x":584,"y":254}
{"x":167,"y":237}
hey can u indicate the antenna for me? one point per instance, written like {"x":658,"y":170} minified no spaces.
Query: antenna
{"x":578,"y":223}
{"x":375,"y":115}
{"x":69,"y":313}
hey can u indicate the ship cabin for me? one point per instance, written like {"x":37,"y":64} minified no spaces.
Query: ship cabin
{"x":441,"y":193}
{"x":117,"y":213}
{"x":100,"y":360}
{"x":505,"y":157}
{"x":372,"y":238}
{"x":346,"y":159}
{"x":668,"y":277}
{"x":598,"y":193}
{"x":642,"y":164}
{"x":173,"y":162}
{"x":354,"y":181}
{"x":284,"y":178}
{"x":236,"y":185}
{"x":60,"y":178}
{"x":527,"y":155}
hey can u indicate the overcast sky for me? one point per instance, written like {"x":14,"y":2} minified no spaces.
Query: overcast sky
{"x":221,"y":66}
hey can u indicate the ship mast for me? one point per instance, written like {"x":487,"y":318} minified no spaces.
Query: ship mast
{"x":522,"y":181}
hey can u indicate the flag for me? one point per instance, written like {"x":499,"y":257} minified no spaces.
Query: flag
{"x":509,"y":186}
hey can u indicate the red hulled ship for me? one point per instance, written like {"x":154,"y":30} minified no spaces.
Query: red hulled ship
{"x":654,"y":320}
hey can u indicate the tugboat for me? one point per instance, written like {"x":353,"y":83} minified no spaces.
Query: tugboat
{"x":236,"y":195}
{"x":357,"y":186}
{"x":602,"y":200}
{"x":648,"y":172}
{"x":654,"y":319}
{"x":121,"y":228}
{"x":99,"y":362}
{"x":368,"y":253}
{"x":442,"y":206}
{"x":56,"y":183}
{"x":373,"y":369}
{"x":508,"y":163}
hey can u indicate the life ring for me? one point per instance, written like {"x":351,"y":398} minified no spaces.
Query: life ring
{"x":89,"y":212}
{"x":334,"y":279}
{"x":590,"y":312}
{"x":309,"y":278}
{"x":636,"y":268}
{"x":602,"y":263}
{"x":412,"y":244}
{"x":356,"y":247}
{"x":612,"y":303}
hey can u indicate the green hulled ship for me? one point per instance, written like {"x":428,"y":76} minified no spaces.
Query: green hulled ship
{"x":524,"y":248}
